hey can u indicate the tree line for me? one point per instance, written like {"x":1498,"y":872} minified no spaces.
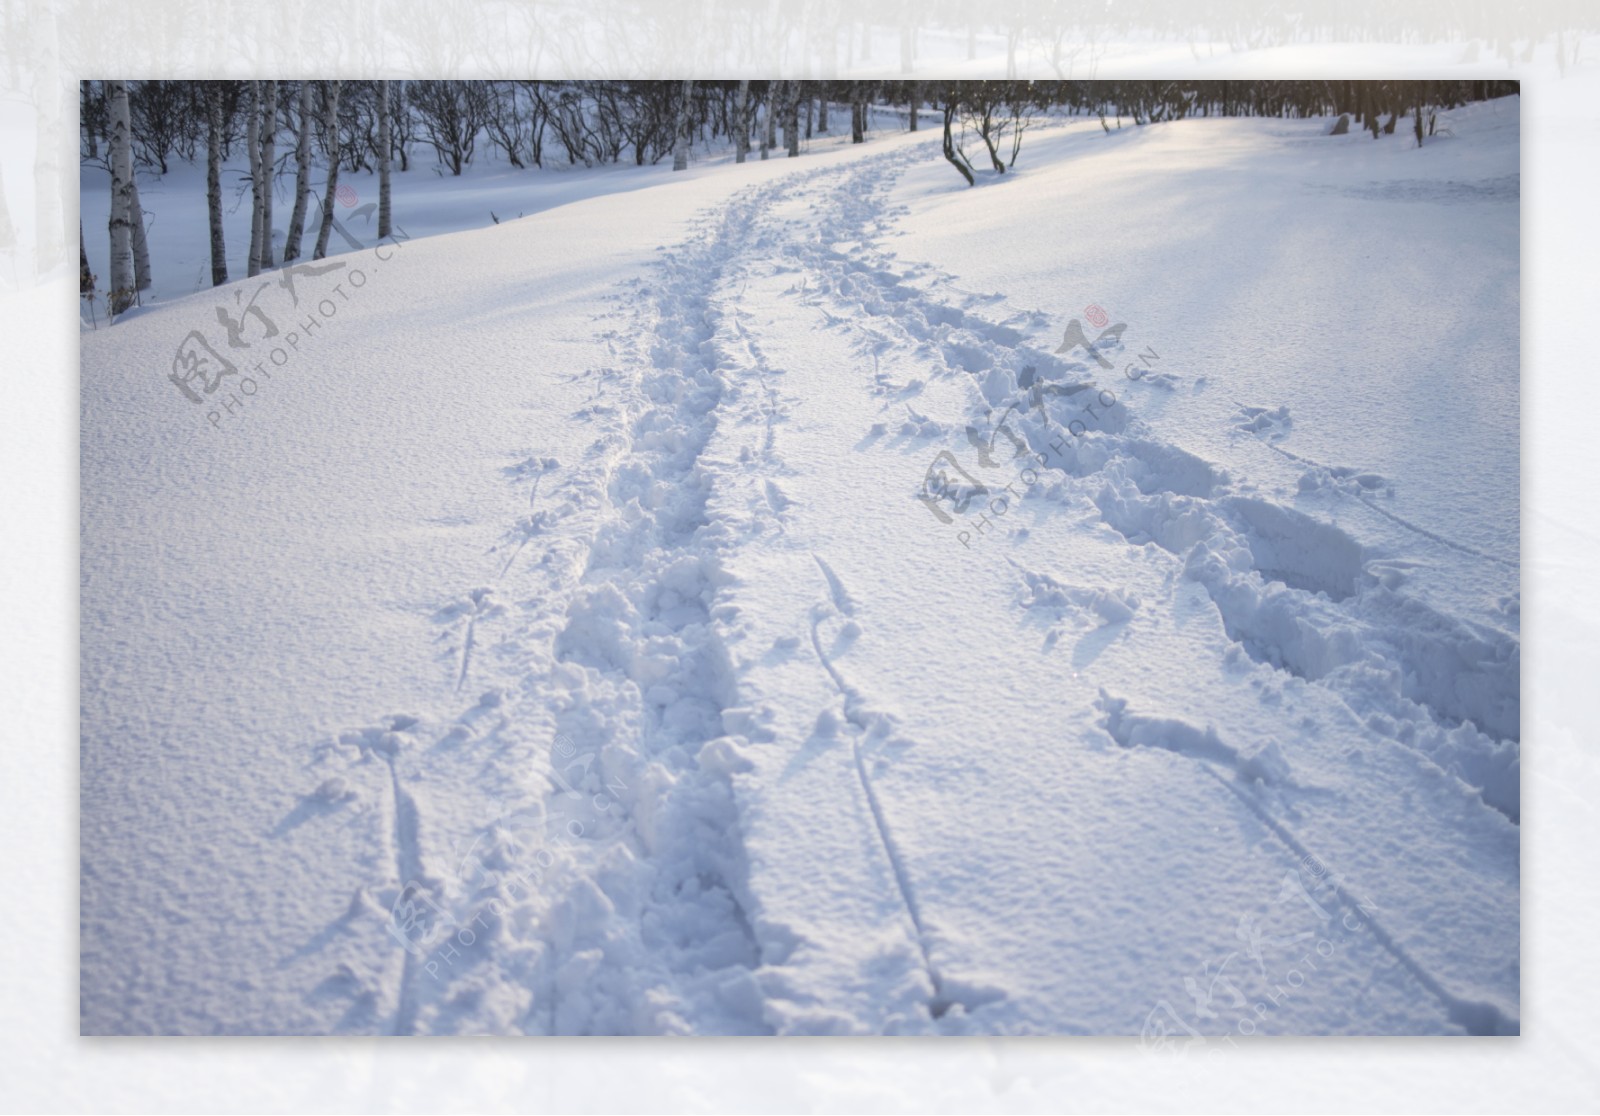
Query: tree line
{"x":286,"y":130}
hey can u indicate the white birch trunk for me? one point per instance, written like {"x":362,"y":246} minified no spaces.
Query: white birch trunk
{"x":791,"y":118}
{"x":741,"y":122}
{"x":121,"y":277}
{"x":385,"y":141}
{"x":219,"y":250}
{"x":269,"y":159}
{"x":252,"y":142}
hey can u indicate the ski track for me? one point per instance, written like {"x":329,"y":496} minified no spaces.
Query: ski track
{"x":1340,"y":472}
{"x":640,"y":922}
{"x":1267,"y":768}
{"x":869,"y":725}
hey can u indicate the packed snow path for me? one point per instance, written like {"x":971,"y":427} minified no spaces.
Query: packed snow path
{"x":856,"y":654}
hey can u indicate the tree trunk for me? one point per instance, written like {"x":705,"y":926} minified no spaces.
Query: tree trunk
{"x":916,"y":101}
{"x":791,"y":118}
{"x":141,"y":247}
{"x":252,"y":141}
{"x":219,"y":251}
{"x":330,"y":125}
{"x":121,"y":229}
{"x":950,"y":151}
{"x":769,"y":138}
{"x":680,"y":139}
{"x":269,"y":159}
{"x":84,"y":113}
{"x":85,"y":276}
{"x":302,"y":183}
{"x":741,"y":123}
{"x":822,"y":112}
{"x":396,"y":112}
{"x":385,"y":141}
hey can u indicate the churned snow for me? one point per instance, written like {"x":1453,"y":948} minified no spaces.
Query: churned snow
{"x":816,"y":597}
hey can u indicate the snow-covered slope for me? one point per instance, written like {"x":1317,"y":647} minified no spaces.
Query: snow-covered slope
{"x":731,"y":606}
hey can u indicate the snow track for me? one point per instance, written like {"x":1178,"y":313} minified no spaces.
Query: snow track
{"x":1295,"y":592}
{"x":851,"y":651}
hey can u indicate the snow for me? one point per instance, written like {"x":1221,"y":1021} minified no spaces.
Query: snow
{"x":567,"y":636}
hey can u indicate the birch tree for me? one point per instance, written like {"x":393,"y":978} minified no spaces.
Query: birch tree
{"x":85,"y":276}
{"x":680,"y":139}
{"x":330,"y":128}
{"x":741,"y":122}
{"x":86,"y":113}
{"x":141,"y":247}
{"x":791,"y":118}
{"x":252,"y":142}
{"x":302,"y":183}
{"x":269,"y":159}
{"x":121,"y":229}
{"x":769,"y":137}
{"x":219,"y":251}
{"x":385,"y":142}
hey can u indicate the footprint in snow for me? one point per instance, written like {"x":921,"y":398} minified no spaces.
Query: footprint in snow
{"x":1264,"y":422}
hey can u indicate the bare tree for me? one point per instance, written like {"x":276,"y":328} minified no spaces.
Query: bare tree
{"x":252,"y":141}
{"x":302,"y":183}
{"x":219,"y":251}
{"x":93,"y":125}
{"x":508,"y":129}
{"x":769,"y":138}
{"x":791,"y":117}
{"x":141,"y":246}
{"x":121,"y":227}
{"x":451,"y":114}
{"x":330,"y":138}
{"x":680,"y":141}
{"x":403,"y":122}
{"x":741,"y":123}
{"x":85,"y":276}
{"x":952,"y":152}
{"x":269,"y":159}
{"x":385,"y":141}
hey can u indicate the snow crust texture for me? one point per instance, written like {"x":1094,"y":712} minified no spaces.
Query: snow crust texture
{"x":781,"y":632}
